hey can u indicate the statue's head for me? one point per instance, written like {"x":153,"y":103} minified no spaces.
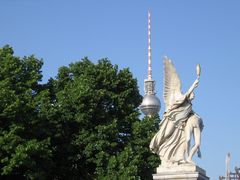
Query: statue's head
{"x":192,"y":95}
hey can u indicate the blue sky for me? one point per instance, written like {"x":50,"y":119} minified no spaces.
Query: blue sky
{"x":189,"y":32}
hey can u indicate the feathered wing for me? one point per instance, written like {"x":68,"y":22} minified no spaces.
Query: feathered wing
{"x":172,"y":83}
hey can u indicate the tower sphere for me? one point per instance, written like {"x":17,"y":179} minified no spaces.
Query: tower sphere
{"x":150,"y":105}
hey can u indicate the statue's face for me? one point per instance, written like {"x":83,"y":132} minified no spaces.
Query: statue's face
{"x":192,"y":95}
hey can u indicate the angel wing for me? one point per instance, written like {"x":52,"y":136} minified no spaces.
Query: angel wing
{"x":172,"y":84}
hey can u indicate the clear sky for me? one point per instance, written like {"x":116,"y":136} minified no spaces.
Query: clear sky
{"x":189,"y":32}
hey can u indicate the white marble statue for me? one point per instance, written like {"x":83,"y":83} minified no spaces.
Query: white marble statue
{"x":172,"y":141}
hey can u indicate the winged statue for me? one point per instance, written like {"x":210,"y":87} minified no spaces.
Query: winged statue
{"x":172,"y":141}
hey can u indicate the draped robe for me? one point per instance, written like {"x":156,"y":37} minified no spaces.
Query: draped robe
{"x":169,"y":141}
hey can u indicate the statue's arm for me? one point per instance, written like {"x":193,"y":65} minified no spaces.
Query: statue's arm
{"x":196,"y":82}
{"x":191,"y":89}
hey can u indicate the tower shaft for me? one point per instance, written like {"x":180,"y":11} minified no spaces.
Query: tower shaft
{"x":149,"y":83}
{"x":149,"y":47}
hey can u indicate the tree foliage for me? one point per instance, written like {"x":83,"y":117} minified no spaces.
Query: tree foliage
{"x":23,"y":153}
{"x":83,"y":124}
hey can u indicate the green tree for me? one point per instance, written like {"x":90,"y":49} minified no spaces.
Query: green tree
{"x":23,"y":154}
{"x":104,"y":137}
{"x":97,"y":105}
{"x":83,"y":124}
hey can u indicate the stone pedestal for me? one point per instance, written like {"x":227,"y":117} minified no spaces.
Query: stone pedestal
{"x":180,"y":172}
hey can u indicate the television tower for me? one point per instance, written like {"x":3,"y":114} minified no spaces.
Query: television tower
{"x":150,"y":104}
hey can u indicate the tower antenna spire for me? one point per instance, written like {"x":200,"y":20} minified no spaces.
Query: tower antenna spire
{"x":149,"y":47}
